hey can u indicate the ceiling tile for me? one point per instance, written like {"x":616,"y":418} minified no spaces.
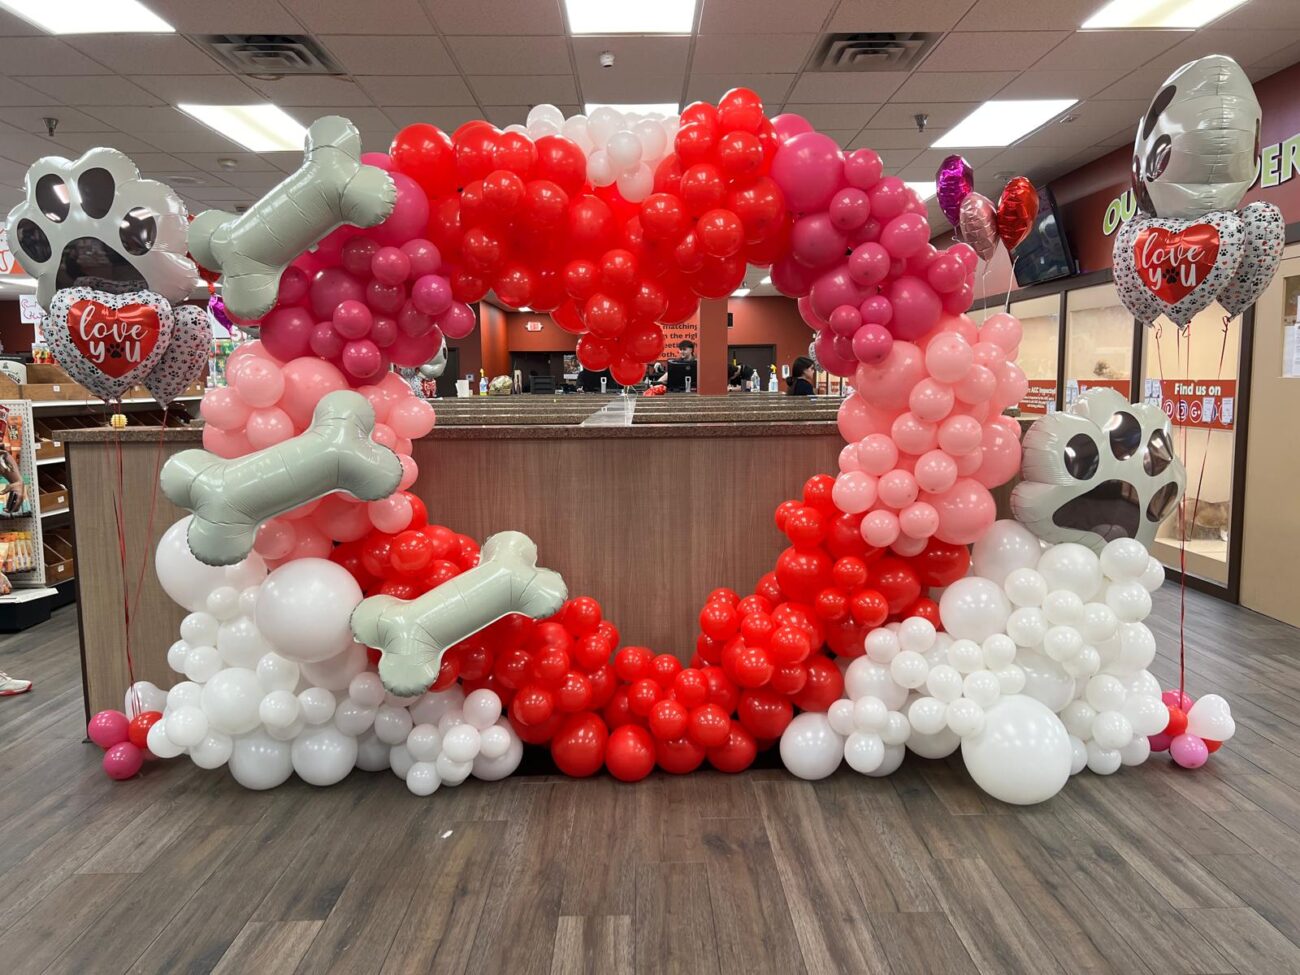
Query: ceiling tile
{"x":1074,"y":135}
{"x":763,"y":16}
{"x":25,"y":147}
{"x":1281,"y":59}
{"x":390,"y":90}
{"x":1027,"y":159}
{"x":350,"y":17}
{"x":523,"y":89}
{"x":634,"y":57}
{"x":931,"y":159}
{"x":499,"y":17}
{"x":208,"y":140}
{"x":294,"y":90}
{"x":842,"y":115}
{"x":841,"y":136}
{"x":226,"y":17}
{"x":511,"y":55}
{"x":252,"y":180}
{"x":771,"y":88}
{"x":79,"y":142}
{"x":244,"y":161}
{"x":847,"y":86}
{"x":503,"y":115}
{"x":200,"y":89}
{"x":979,"y":50}
{"x":1128,"y":48}
{"x":612,"y":89}
{"x":443,"y":116}
{"x":887,"y":141}
{"x":70,"y":120}
{"x":898,"y":15}
{"x":1111,"y":113}
{"x":721,"y":53}
{"x":12,"y":173}
{"x":133,"y":54}
{"x":1261,"y":14}
{"x":1043,"y":82}
{"x":1015,"y":15}
{"x":130,"y":118}
{"x":902,"y":115}
{"x":387,"y":54}
{"x":16,"y":93}
{"x":1244,"y":46}
{"x":24,"y":56}
{"x":160,"y":162}
{"x":942,"y":86}
{"x":107,"y":90}
{"x":364,"y":117}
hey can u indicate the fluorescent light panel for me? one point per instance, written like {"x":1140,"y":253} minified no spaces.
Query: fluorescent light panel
{"x":89,"y":16}
{"x":740,"y":292}
{"x":1000,"y":123}
{"x":258,"y":128}
{"x":630,"y":16}
{"x":662,"y":108}
{"x":1184,"y":14}
{"x":924,"y":189}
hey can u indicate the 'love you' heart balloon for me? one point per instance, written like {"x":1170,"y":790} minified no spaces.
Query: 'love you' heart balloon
{"x":108,"y":342}
{"x":1017,"y":208}
{"x":186,"y":355}
{"x":954,"y":181}
{"x":1265,"y":231}
{"x":977,"y":224}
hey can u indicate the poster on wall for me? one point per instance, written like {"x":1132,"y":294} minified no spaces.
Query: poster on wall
{"x":1210,"y":404}
{"x":1040,"y":397}
{"x":673,"y":334}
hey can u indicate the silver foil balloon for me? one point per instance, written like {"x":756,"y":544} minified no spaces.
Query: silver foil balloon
{"x":1197,"y":145}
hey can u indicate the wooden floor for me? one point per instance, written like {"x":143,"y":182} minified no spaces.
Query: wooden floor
{"x":1151,"y":870}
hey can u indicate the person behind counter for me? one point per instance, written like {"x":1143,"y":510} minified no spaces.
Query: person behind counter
{"x":685,"y":354}
{"x":737,"y":379}
{"x":800,"y":380}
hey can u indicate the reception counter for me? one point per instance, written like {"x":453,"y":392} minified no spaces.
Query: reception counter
{"x":646,"y":504}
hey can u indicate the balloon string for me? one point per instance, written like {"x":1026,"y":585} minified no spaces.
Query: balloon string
{"x":1011,"y":280}
{"x":119,"y":518}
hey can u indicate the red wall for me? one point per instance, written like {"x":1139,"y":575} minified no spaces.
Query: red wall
{"x":769,"y":321}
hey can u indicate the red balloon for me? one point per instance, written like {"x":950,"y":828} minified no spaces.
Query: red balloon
{"x":627,"y":371}
{"x":784,"y":510}
{"x":630,"y":753}
{"x":678,"y":755}
{"x":668,"y":719}
{"x":789,"y":645}
{"x":632,"y":663}
{"x":844,"y":536}
{"x":515,"y":152}
{"x":426,"y":154}
{"x":868,"y":608}
{"x":721,"y":233}
{"x":741,"y":109}
{"x":709,"y":725}
{"x":825,"y":685}
{"x":503,"y":194}
{"x":764,"y":713}
{"x":594,"y":353}
{"x":805,"y":527}
{"x":801,"y":575}
{"x":925,"y":608}
{"x":896,"y":581}
{"x":545,"y":204}
{"x":618,"y":272}
{"x":603,"y":682}
{"x":137,"y":732}
{"x":668,"y":175}
{"x":719,"y":621}
{"x":695,"y":142}
{"x":849,"y":573}
{"x":573,"y":692}
{"x":702,"y":188}
{"x":579,"y":746}
{"x":817,"y":491}
{"x":566,"y":316}
{"x":605,"y":316}
{"x":832,"y":604}
{"x":533,"y":705}
{"x":941,"y":564}
{"x":691,"y":687}
{"x":719,"y":276}
{"x":643,"y":695}
{"x":663,"y":216}
{"x":482,"y":250}
{"x":737,"y":753}
{"x":591,"y":226}
{"x":475,"y":144}
{"x":722,"y":691}
{"x":740,"y":155}
{"x":760,"y":207}
{"x":700,"y":112}
{"x":515,"y":285}
{"x":789,"y":679}
{"x":562,"y":162}
{"x":581,"y":615}
{"x":445,"y":230}
{"x":643,"y":342}
{"x":411,"y":552}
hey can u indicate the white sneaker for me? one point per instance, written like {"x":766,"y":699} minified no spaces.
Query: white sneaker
{"x":10,"y":686}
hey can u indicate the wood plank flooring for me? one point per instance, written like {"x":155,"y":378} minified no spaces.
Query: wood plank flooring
{"x":1153,"y":870}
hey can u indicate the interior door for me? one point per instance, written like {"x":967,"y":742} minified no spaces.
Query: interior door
{"x":753,"y":357}
{"x":1271,"y":532}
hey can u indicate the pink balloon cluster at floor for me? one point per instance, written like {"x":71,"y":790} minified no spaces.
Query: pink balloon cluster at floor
{"x":926,"y":438}
{"x":860,"y":258}
{"x":368,"y":299}
{"x":268,"y":401}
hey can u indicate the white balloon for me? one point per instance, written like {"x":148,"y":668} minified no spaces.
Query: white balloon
{"x":354,"y":719}
{"x":1111,"y":730}
{"x":866,"y":678}
{"x":1069,"y":565}
{"x":186,"y":692}
{"x":434,"y":704}
{"x":248,"y":600}
{"x":864,"y":752}
{"x":1022,"y":755}
{"x":324,"y":755}
{"x":187,"y":580}
{"x":335,"y":673}
{"x":966,"y":656}
{"x":400,"y":761}
{"x":277,"y":673}
{"x":575,"y":130}
{"x":392,"y":724}
{"x":1097,"y":623}
{"x":156,"y":741}
{"x":452,"y":773}
{"x":624,"y":151}
{"x":461,"y":743}
{"x":1146,"y":713}
{"x":1211,"y":717}
{"x":603,"y":123}
{"x":944,"y":682}
{"x":279,"y":709}
{"x":1025,"y":587}
{"x":1083,"y":664}
{"x":840,"y":715}
{"x":894,"y":755}
{"x":493,"y":743}
{"x":1078,"y":755}
{"x":927,"y":715}
{"x":1130,"y":601}
{"x":1102,"y":761}
{"x":638,"y":184}
{"x":939,"y":745}
{"x":241,"y":643}
{"x":909,"y":669}
{"x":213,"y":751}
{"x":600,"y":171}
{"x":1011,"y":679}
{"x":231,"y":699}
{"x":1105,"y":693}
{"x":869,"y":714}
{"x":367,"y":689}
{"x":423,"y":779}
{"x":1045,"y":681}
{"x":142,"y":696}
{"x":1137,"y":648}
{"x":491,"y":769}
{"x":305,"y":609}
{"x":450,"y":718}
{"x":1027,"y":626}
{"x":202,"y":664}
{"x":1154,"y":576}
{"x":199,"y":628}
{"x":1136,"y":751}
{"x":882,"y":645}
{"x":916,"y":634}
{"x":288,"y":732}
{"x":654,"y":141}
{"x":810,"y":748}
{"x":542,"y":128}
{"x":965,"y":717}
{"x":372,"y":754}
{"x":1143,"y":682}
{"x":1078,"y":716}
{"x":316,"y":705}
{"x":176,"y":655}
{"x":1005,"y":547}
{"x":974,"y":609}
{"x":223,"y":602}
{"x":424,"y":742}
{"x":982,"y":687}
{"x":544,"y":112}
{"x":482,"y":708}
{"x":1063,"y":607}
{"x":1062,"y":642}
{"x":1124,"y":558}
{"x":897,"y":729}
{"x":258,"y":761}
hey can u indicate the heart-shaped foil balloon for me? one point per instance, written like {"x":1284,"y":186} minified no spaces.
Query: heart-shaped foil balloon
{"x":186,"y":355}
{"x":1265,"y":232}
{"x":1176,"y":267}
{"x":954,"y":180}
{"x":1211,"y":717}
{"x":977,"y":224}
{"x":108,"y":342}
{"x":1017,"y":208}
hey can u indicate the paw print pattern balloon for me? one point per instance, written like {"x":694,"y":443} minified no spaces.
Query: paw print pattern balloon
{"x":1197,"y":144}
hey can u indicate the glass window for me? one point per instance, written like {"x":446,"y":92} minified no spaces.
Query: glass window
{"x":1099,"y":342}
{"x":1183,"y":375}
{"x":1039,"y":351}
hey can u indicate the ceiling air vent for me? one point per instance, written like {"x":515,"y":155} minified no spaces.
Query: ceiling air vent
{"x":259,"y":55}
{"x":873,"y":51}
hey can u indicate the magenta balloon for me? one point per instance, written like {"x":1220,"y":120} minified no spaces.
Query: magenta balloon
{"x":868,"y":233}
{"x":424,"y":256}
{"x":332,"y":286}
{"x":325,"y":342}
{"x":850,"y":208}
{"x":863,"y":168}
{"x":411,"y":321}
{"x":954,"y":181}
{"x":357,"y":254}
{"x":410,"y":216}
{"x":789,"y":125}
{"x":946,"y":273}
{"x":832,"y":289}
{"x":835,"y":353}
{"x":816,"y":242}
{"x":411,"y":351}
{"x":390,"y":265}
{"x":286,"y":332}
{"x":871,"y":343}
{"x":815,"y":321}
{"x":362,"y":359}
{"x":877,"y":310}
{"x":380,"y":160}
{"x":906,"y":235}
{"x":294,"y":284}
{"x":888,"y":198}
{"x":385,"y":299}
{"x":457,"y":321}
{"x":384,"y":331}
{"x":869,"y":264}
{"x":916,"y":308}
{"x":791,"y":278}
{"x":809,"y":168}
{"x":352,"y":320}
{"x":431,"y":294}
{"x":846,"y":320}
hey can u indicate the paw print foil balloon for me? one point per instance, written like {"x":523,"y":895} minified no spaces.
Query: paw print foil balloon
{"x":94,"y":222}
{"x":1197,"y":145}
{"x":1103,"y":470}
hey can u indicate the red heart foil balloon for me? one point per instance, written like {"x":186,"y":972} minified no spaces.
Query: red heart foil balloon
{"x":1017,"y":208}
{"x":1173,"y":263}
{"x":108,"y":342}
{"x":115,"y":340}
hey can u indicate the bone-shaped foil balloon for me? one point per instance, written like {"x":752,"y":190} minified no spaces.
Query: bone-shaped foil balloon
{"x":231,"y":498}
{"x":331,"y":187}
{"x":414,"y":634}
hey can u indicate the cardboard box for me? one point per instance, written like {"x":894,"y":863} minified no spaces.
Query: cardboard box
{"x":54,"y":493}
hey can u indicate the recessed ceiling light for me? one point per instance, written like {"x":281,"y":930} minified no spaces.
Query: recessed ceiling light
{"x":766,"y":280}
{"x":1000,"y":123}
{"x":658,"y":108}
{"x":1185,"y":14}
{"x":924,"y":188}
{"x":630,"y":16}
{"x":740,"y":292}
{"x":89,"y":16}
{"x":258,"y":128}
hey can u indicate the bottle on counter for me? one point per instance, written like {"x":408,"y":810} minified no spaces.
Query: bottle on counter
{"x":755,"y":384}
{"x":482,"y":382}
{"x":771,"y":380}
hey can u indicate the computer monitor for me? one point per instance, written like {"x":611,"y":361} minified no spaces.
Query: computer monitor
{"x":678,"y":371}
{"x":589,"y":381}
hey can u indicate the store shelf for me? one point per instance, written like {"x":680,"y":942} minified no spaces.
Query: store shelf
{"x":51,"y":460}
{"x":57,"y":511}
{"x":46,"y":404}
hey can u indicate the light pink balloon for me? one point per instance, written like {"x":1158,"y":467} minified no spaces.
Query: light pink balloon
{"x":988,"y":354}
{"x":306,"y":381}
{"x":959,"y":434}
{"x":968,"y":464}
{"x":977,"y":385}
{"x":310,"y":542}
{"x":303,"y":510}
{"x":916,"y":308}
{"x":221,"y":407}
{"x":1000,"y":443}
{"x":858,"y":418}
{"x":966,"y":512}
{"x":226,"y":443}
{"x":269,"y":426}
{"x":935,"y":471}
{"x":913,"y":435}
{"x":848,"y":459}
{"x":879,"y":528}
{"x":392,"y":514}
{"x":402,"y":445}
{"x":341,"y":518}
{"x":948,"y":357}
{"x":889,"y":382}
{"x":907,"y":546}
{"x":275,"y":538}
{"x":809,"y":168}
{"x":1002,"y":330}
{"x":877,"y":453}
{"x":897,"y":488}
{"x":410,"y":471}
{"x":383,"y":434}
{"x":931,"y":400}
{"x":871,"y":343}
{"x":918,"y":520}
{"x":411,"y":418}
{"x":854,"y":492}
{"x":1012,"y":386}
{"x":258,"y":381}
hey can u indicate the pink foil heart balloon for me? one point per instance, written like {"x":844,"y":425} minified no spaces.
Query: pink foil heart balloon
{"x":954,"y":180}
{"x":977,"y":223}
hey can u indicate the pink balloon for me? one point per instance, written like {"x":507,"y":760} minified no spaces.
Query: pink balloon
{"x":868,"y":233}
{"x":918,"y":520}
{"x":846,"y":320}
{"x":221,"y":407}
{"x":1002,"y":330}
{"x":403,"y":445}
{"x":879,"y":528}
{"x":871,"y":343}
{"x":848,"y":459}
{"x":959,"y":434}
{"x":294,"y":285}
{"x":413,"y":322}
{"x":392,"y":514}
{"x":302,"y":511}
{"x":810,"y":317}
{"x":257,"y":381}
{"x":380,"y":160}
{"x":325,"y":342}
{"x":107,"y":728}
{"x":341,"y":519}
{"x":1012,"y":386}
{"x":310,"y":542}
{"x":789,"y":125}
{"x":816,"y":242}
{"x":457,"y":321}
{"x":431,"y":294}
{"x":352,"y":319}
{"x":835,"y":353}
{"x":854,"y":418}
{"x":877,"y":453}
{"x":835,"y":288}
{"x":124,"y":761}
{"x":948,"y":357}
{"x":1189,"y":751}
{"x":916,"y":308}
{"x":959,"y":300}
{"x":286,"y":332}
{"x":362,"y":360}
{"x":863,"y":168}
{"x":306,"y":381}
{"x":968,"y":464}
{"x":225,"y":443}
{"x":1174,"y":698}
{"x":330,"y":247}
{"x":877,"y":310}
{"x":332,"y":286}
{"x":423,"y":255}
{"x":966,"y":512}
{"x":931,"y":400}
{"x":383,"y":434}
{"x":913,"y":435}
{"x":410,"y":214}
{"x":268,"y":426}
{"x":854,"y":492}
{"x":977,"y":385}
{"x":935,"y":472}
{"x":384,"y":331}
{"x":869,"y":265}
{"x":897,"y":488}
{"x":907,"y":546}
{"x":409,"y":472}
{"x":275,"y":538}
{"x":1159,"y":742}
{"x":946,"y":273}
{"x":411,"y":418}
{"x":1000,"y":443}
{"x":408,"y":351}
{"x":889,"y":382}
{"x":809,"y":168}
{"x":888,"y":198}
{"x":385,"y":299}
{"x":791,"y":278}
{"x":967,"y":254}
{"x":390,"y":265}
{"x":905,"y":235}
{"x":357,"y":254}
{"x":849,"y":208}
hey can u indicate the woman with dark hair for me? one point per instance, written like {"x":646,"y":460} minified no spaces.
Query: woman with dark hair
{"x":800,"y":380}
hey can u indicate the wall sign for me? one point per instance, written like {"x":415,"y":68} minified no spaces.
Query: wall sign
{"x":532,"y":326}
{"x":1206,"y":403}
{"x":29,"y":310}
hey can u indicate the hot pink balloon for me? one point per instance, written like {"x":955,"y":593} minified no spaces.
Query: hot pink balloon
{"x":869,"y":264}
{"x":423,"y":255}
{"x":846,"y":320}
{"x":871,"y":343}
{"x":814,"y":321}
{"x":107,"y":728}
{"x":457,"y":321}
{"x":124,"y":761}
{"x":791,"y":278}
{"x":906,"y":235}
{"x":954,"y":181}
{"x":809,"y":168}
{"x":832,"y":289}
{"x":916,"y":308}
{"x":1189,"y":751}
{"x":863,"y":168}
{"x":410,"y":214}
{"x":390,"y":265}
{"x":788,"y":125}
{"x":816,"y":242}
{"x":286,"y":332}
{"x":431,"y":293}
{"x":331,"y":286}
{"x":888,"y":198}
{"x":849,"y":208}
{"x":835,"y":353}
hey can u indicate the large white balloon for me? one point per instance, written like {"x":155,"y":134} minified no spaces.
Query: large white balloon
{"x":1023,"y":755}
{"x":187,"y":580}
{"x":231,"y":700}
{"x":974,"y":609}
{"x":305,"y":608}
{"x":1069,"y":565}
{"x":258,"y":761}
{"x":810,"y":748}
{"x":866,"y":678}
{"x":1005,"y":547}
{"x":324,"y":755}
